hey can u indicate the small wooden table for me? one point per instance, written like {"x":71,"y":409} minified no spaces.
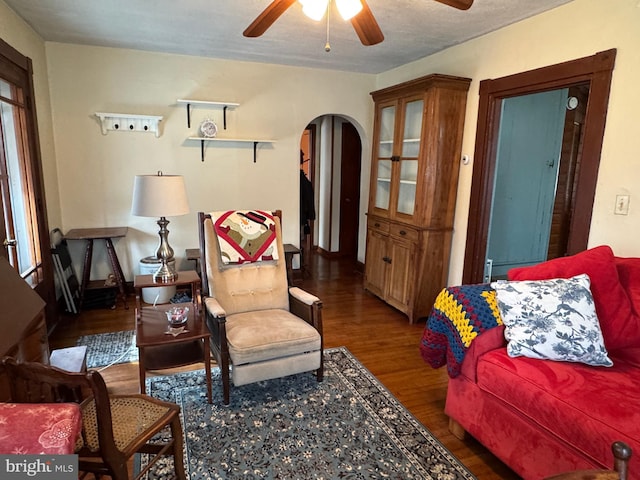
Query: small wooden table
{"x":159,"y":349}
{"x":194,"y":254}
{"x":106,"y":234}
{"x":289,"y":251}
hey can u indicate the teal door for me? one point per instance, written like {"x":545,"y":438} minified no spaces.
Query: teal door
{"x":527,"y":158}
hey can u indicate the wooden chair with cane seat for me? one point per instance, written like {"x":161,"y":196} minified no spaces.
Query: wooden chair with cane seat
{"x":114,"y":427}
{"x":621,"y":456}
{"x":260,"y":327}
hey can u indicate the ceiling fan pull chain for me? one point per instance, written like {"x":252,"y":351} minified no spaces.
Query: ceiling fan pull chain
{"x":327,"y":46}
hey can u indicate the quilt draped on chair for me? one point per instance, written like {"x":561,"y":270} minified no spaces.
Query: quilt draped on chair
{"x":245,"y":236}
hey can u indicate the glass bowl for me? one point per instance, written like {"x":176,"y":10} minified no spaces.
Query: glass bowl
{"x":177,"y":316}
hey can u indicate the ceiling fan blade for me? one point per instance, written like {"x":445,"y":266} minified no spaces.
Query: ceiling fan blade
{"x":459,"y":4}
{"x":366,"y":26}
{"x":267,"y":17}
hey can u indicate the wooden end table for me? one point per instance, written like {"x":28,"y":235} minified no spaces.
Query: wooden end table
{"x":158,"y":349}
{"x":106,"y":234}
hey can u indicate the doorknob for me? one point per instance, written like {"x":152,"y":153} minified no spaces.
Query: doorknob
{"x":10,"y":242}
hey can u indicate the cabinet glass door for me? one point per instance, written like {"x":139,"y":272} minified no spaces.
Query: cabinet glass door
{"x":385,"y":151}
{"x":409,"y":158}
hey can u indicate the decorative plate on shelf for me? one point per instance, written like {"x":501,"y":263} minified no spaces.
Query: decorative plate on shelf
{"x":208,"y":128}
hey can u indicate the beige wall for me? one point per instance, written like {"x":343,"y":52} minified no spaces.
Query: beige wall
{"x":96,"y":171}
{"x":20,"y":36}
{"x":578,"y":29}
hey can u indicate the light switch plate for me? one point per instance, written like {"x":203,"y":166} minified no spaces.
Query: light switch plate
{"x":622,"y":205}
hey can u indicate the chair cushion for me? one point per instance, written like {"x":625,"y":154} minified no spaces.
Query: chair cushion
{"x":39,"y":428}
{"x":246,"y":287}
{"x":267,"y":334}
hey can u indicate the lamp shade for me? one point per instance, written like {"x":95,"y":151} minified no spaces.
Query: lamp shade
{"x":159,"y":196}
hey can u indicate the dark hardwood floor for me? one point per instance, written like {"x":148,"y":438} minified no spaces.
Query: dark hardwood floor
{"x":378,"y":335}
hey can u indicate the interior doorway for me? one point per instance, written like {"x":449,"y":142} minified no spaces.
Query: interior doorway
{"x":351,"y":153}
{"x":307,"y":196}
{"x":537,"y":158}
{"x":333,"y":147}
{"x":590,"y":74}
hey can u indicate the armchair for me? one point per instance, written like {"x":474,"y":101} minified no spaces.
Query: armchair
{"x":260,"y":327}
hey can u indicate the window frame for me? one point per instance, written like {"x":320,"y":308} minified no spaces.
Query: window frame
{"x":17,"y":69}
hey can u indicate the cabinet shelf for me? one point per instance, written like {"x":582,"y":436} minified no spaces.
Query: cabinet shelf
{"x":255,"y":142}
{"x":206,"y":103}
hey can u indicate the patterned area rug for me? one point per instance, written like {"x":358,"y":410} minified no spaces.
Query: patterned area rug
{"x":349,"y":426}
{"x":105,"y":349}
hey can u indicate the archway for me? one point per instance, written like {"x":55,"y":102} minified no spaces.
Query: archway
{"x":332,"y":149}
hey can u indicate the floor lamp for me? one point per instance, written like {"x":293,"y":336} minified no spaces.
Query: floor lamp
{"x":161,"y":196}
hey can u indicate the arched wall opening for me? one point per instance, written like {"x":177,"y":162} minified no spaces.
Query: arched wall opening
{"x":332,"y":159}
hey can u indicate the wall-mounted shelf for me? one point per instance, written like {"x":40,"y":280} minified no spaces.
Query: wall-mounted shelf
{"x":190,"y":103}
{"x":202,"y":141}
{"x":129,"y":122}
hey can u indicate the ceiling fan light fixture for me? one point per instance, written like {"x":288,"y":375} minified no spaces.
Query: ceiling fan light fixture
{"x":349,"y":8}
{"x":314,"y":9}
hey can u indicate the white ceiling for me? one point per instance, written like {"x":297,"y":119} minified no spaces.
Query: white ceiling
{"x":413,"y":29}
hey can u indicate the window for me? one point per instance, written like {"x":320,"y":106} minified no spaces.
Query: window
{"x":15,"y":185}
{"x":20,"y":218}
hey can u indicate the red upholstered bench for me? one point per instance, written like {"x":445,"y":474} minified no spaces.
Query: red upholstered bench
{"x":39,"y":428}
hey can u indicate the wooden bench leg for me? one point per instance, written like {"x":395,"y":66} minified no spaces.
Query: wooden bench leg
{"x":456,"y":429}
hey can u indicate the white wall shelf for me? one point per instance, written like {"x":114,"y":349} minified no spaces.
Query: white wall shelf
{"x":206,"y":103}
{"x":255,"y":142}
{"x":129,"y":122}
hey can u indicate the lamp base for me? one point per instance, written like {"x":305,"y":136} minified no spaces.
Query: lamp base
{"x":165,"y":274}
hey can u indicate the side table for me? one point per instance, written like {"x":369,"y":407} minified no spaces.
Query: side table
{"x":159,"y":349}
{"x":106,"y":234}
{"x":289,"y":251}
{"x":194,"y":255}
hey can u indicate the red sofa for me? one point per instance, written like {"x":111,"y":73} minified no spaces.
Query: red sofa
{"x":543,"y":417}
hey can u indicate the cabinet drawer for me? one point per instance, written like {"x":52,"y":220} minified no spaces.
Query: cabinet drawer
{"x":378,"y":225}
{"x":402,"y":231}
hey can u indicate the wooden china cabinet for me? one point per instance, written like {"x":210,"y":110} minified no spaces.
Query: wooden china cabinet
{"x":414,"y":178}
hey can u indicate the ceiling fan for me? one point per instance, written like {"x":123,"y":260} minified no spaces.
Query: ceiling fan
{"x":362,"y":19}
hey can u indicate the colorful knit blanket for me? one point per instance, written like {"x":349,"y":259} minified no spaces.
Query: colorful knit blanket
{"x":458,"y":316}
{"x":245,"y":236}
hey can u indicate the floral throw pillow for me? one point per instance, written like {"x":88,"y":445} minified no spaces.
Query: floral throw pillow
{"x":552,"y":319}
